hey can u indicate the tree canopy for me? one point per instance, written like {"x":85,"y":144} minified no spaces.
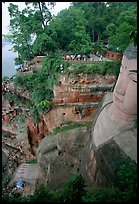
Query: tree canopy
{"x":82,"y":27}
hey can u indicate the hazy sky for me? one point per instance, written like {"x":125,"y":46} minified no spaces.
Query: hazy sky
{"x":6,"y":18}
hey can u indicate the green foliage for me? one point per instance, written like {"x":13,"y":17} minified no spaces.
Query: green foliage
{"x":43,"y":105}
{"x":40,"y":83}
{"x":74,"y":189}
{"x":24,"y":81}
{"x":42,"y":95}
{"x":70,"y":36}
{"x":124,"y":188}
{"x":127,"y":24}
{"x":98,"y":46}
{"x":21,"y":118}
{"x":110,"y":29}
{"x":109,"y":194}
{"x":121,"y":40}
{"x":44,"y":44}
{"x":69,"y":127}
{"x":52,"y":63}
{"x":73,"y":29}
{"x":106,"y":21}
{"x":105,"y":67}
{"x":31,"y":161}
{"x":27,"y":24}
{"x":126,"y":174}
{"x":81,"y":42}
{"x":8,"y":96}
{"x":133,"y":37}
{"x":5,"y":78}
{"x":18,"y":60}
{"x":6,"y":134}
{"x":35,"y":114}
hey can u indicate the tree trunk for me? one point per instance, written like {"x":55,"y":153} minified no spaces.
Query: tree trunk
{"x":41,"y":14}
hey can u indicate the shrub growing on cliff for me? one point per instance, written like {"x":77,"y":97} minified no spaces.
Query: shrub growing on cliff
{"x":124,"y":187}
{"x":126,"y":178}
{"x":105,"y":67}
{"x":40,"y":83}
{"x":43,"y":105}
{"x":5,"y":78}
{"x":21,"y":118}
{"x":103,"y":195}
{"x":35,"y":114}
{"x":31,"y":161}
{"x":74,"y":189}
{"x":42,"y":93}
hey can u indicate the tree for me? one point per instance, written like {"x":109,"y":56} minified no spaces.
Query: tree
{"x":94,"y":15}
{"x":41,"y":11}
{"x":24,"y":25}
{"x":20,"y":34}
{"x":103,"y":17}
{"x":127,"y":23}
{"x":81,"y":42}
{"x":69,"y":30}
{"x":133,"y":37}
{"x":110,"y":30}
{"x":44,"y":44}
{"x":74,"y":189}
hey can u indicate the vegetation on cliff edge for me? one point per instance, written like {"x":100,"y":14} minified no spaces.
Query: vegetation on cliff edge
{"x":124,"y":188}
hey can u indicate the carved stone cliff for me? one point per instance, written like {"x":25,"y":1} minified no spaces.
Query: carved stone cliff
{"x":92,"y":153}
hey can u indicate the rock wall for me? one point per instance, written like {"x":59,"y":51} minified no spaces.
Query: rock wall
{"x":36,"y":133}
{"x":81,"y":101}
{"x":82,"y":88}
{"x":60,"y":116}
{"x":60,"y":154}
{"x":71,"y":104}
{"x":76,"y":100}
{"x":97,"y":152}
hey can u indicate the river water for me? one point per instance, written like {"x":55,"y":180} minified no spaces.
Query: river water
{"x":8,"y":66}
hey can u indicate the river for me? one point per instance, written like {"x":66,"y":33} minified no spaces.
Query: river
{"x":8,"y":66}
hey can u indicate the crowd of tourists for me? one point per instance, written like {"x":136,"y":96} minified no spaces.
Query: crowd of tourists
{"x":6,"y":86}
{"x":25,"y":68}
{"x":81,"y":57}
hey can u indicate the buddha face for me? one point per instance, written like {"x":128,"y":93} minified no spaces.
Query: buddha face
{"x":125,"y":91}
{"x":127,"y":65}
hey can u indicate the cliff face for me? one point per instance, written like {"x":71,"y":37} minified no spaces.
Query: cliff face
{"x":35,"y":133}
{"x":75,"y":151}
{"x":72,"y":104}
{"x":68,"y":152}
{"x":60,"y":154}
{"x":112,"y":138}
{"x":76,"y":101}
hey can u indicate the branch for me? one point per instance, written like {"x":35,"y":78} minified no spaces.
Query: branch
{"x":41,"y":13}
